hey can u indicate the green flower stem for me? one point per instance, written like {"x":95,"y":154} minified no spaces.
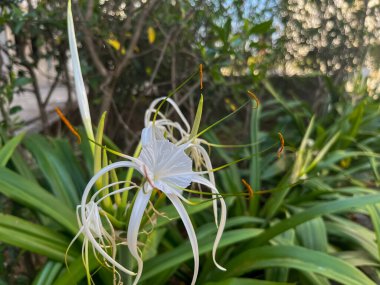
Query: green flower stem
{"x":124,"y":197}
{"x":116,"y":223}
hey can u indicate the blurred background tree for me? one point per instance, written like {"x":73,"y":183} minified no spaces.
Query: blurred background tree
{"x":137,"y":49}
{"x":331,"y":37}
{"x":132,"y":51}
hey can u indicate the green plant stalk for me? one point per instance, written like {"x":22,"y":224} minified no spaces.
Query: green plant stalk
{"x":114,"y":179}
{"x":276,"y":200}
{"x":254,"y":167}
{"x":128,"y":179}
{"x":100,"y":161}
{"x":107,"y":202}
{"x":197,"y":119}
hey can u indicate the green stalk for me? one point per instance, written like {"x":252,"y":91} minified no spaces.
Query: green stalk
{"x":124,"y":196}
{"x":254,"y":177}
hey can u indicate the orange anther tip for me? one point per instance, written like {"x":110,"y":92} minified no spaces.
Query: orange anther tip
{"x":281,"y":149}
{"x":68,"y":124}
{"x":254,"y":97}
{"x":249,"y":188}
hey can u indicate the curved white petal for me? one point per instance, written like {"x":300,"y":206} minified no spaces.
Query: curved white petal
{"x":190,"y":232}
{"x":167,"y":127}
{"x":78,"y":79}
{"x":151,"y":110}
{"x":134,"y":226}
{"x":86,"y":227}
{"x":223,"y":216}
{"x":207,"y":161}
{"x":150,"y":134}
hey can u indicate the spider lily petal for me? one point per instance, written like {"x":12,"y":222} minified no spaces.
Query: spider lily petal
{"x":223,"y":218}
{"x":78,"y":79}
{"x":190,"y":232}
{"x":208,"y":164}
{"x":139,"y":206}
{"x":152,"y":110}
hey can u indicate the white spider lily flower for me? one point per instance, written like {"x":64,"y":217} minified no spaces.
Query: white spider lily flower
{"x":165,"y":167}
{"x":195,"y":149}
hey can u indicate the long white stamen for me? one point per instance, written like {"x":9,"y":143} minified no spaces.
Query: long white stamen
{"x":149,"y":113}
{"x":86,"y":226}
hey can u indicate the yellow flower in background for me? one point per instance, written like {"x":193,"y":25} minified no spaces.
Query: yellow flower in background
{"x":116,"y":45}
{"x":151,"y":35}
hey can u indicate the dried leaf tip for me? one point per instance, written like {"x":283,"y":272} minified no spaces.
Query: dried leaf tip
{"x":281,"y":149}
{"x":68,"y":124}
{"x":254,"y":97}
{"x":201,"y":75}
{"x":249,"y":188}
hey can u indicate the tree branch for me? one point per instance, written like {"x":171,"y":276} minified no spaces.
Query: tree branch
{"x":52,"y":88}
{"x":109,"y":85}
{"x":91,"y":46}
{"x":136,"y":36}
{"x":90,"y":9}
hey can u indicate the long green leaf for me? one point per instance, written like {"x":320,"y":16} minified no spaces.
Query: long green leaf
{"x":297,"y":258}
{"x":197,"y":120}
{"x":9,"y":147}
{"x":47,"y":275}
{"x":277,"y":198}
{"x":246,"y":281}
{"x":172,"y":215}
{"x":60,"y":181}
{"x":76,"y":271}
{"x":32,"y":195}
{"x":39,"y":231}
{"x":322,"y":153}
{"x":314,"y":212}
{"x":183,"y":253}
{"x":254,"y":167}
{"x":297,"y":119}
{"x":35,"y":244}
{"x":70,"y":162}
{"x":345,"y":229}
{"x":313,"y":235}
{"x":374,"y":212}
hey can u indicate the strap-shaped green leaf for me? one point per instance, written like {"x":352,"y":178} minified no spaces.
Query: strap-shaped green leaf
{"x":34,"y":196}
{"x":35,"y":238}
{"x":297,"y":258}
{"x":183,"y":253}
{"x":9,"y":147}
{"x":197,"y":120}
{"x":52,"y":167}
{"x":49,"y":272}
{"x":247,"y":281}
{"x":76,"y":270}
{"x":314,"y":212}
